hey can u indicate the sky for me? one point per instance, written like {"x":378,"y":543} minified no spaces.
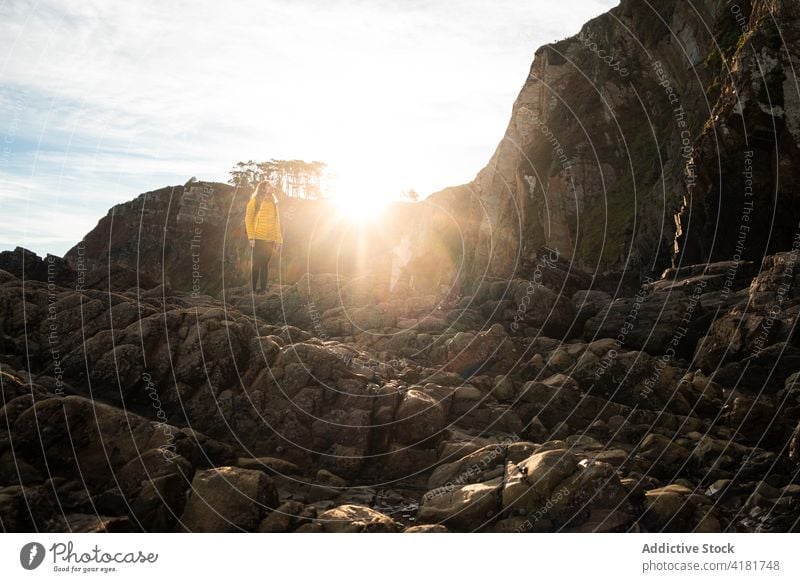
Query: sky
{"x":103,"y":100}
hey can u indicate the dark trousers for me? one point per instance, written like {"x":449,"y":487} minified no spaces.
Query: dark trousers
{"x":262,"y":252}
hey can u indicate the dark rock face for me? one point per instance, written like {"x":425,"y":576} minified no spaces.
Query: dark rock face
{"x":28,"y":265}
{"x":662,"y":131}
{"x":228,"y":499}
{"x":755,"y":341}
{"x":175,"y":235}
{"x":744,"y":199}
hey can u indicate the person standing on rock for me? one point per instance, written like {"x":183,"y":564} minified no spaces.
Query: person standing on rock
{"x":263,"y":226}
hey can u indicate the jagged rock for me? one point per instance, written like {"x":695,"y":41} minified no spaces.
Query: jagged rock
{"x":356,"y":519}
{"x":592,"y":499}
{"x":429,"y":528}
{"x":285,"y":517}
{"x":150,"y":465}
{"x":589,"y":303}
{"x":228,"y":499}
{"x":402,"y":461}
{"x":160,"y":502}
{"x":29,"y":266}
{"x":469,"y":507}
{"x":551,"y":490}
{"x":468,"y":354}
{"x":559,"y":399}
{"x":269,"y":464}
{"x":543,"y":186}
{"x":753,"y":344}
{"x":418,"y":418}
{"x":301,"y":363}
{"x":86,"y":440}
{"x":651,"y":323}
{"x":345,"y":321}
{"x":504,"y":389}
{"x":662,"y":455}
{"x":543,"y":308}
{"x":530,"y":484}
{"x":723,"y":219}
{"x":484,"y":464}
{"x":676,"y":508}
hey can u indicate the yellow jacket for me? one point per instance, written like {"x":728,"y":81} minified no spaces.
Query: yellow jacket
{"x":264,"y":225}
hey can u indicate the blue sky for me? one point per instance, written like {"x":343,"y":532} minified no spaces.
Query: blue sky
{"x":101,"y":101}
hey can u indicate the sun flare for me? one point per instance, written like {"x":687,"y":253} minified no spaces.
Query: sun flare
{"x":359,"y":202}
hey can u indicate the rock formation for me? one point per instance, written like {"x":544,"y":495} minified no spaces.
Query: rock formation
{"x":662,"y":132}
{"x":192,"y":238}
{"x":509,"y":356}
{"x":325,"y":406}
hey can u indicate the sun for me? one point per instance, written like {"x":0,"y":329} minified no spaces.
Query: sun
{"x":360,"y":208}
{"x":359,"y":202}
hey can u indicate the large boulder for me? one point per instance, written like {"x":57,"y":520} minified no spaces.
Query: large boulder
{"x":551,"y":312}
{"x":483,"y":464}
{"x":304,"y":364}
{"x":419,"y":417}
{"x":228,"y":499}
{"x":468,"y":507}
{"x":469,"y":354}
{"x":552,"y":490}
{"x":356,"y":519}
{"x":678,"y":509}
{"x":530,"y":484}
{"x":754,"y":343}
{"x":76,"y":438}
{"x":652,"y":322}
{"x":160,"y":502}
{"x":591,"y":499}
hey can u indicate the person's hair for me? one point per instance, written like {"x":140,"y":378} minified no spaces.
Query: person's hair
{"x":260,"y":193}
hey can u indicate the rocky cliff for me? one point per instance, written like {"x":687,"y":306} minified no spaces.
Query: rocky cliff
{"x":192,"y":238}
{"x":747,"y":157}
{"x":644,"y":139}
{"x":458,"y":365}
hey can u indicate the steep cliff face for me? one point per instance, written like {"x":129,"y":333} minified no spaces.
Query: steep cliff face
{"x":744,"y":202}
{"x":620,"y":132}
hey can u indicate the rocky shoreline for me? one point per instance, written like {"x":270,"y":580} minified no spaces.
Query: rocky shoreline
{"x":321,"y":406}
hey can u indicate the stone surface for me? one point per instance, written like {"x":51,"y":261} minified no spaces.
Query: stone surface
{"x":356,"y":519}
{"x":486,"y":363}
{"x":469,"y":507}
{"x":228,"y":499}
